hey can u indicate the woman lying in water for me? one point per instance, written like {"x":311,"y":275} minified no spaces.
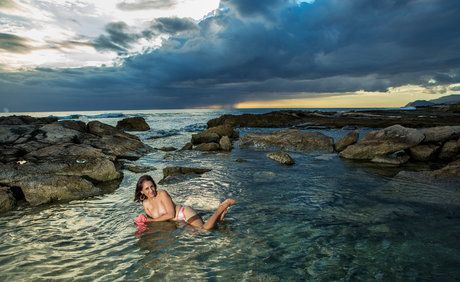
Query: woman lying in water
{"x":159,"y":207}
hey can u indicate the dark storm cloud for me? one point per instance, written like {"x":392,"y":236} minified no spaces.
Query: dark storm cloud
{"x":118,"y":38}
{"x":14,"y":44}
{"x":319,"y":48}
{"x":173,"y":25}
{"x":146,"y":4}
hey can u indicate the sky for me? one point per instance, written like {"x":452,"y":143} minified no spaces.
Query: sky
{"x":64,"y":55}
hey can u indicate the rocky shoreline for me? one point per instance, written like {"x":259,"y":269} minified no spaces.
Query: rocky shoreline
{"x":44,"y":160}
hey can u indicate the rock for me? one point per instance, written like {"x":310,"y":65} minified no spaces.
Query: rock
{"x":451,"y":170}
{"x":290,"y":140}
{"x":240,"y":160}
{"x":392,"y":159}
{"x":173,"y":171}
{"x":281,"y":157}
{"x":101,"y":129}
{"x":439,"y":187}
{"x":7,"y":201}
{"x":424,"y":152}
{"x":188,"y":146}
{"x":207,"y":147}
{"x":17,"y":134}
{"x":23,"y":120}
{"x":77,"y":151}
{"x":10,"y":153}
{"x":133,"y":124}
{"x":167,"y":149}
{"x":449,"y":150}
{"x":77,"y":125}
{"x":57,"y":133}
{"x":383,"y":142}
{"x":347,"y":140}
{"x":205,"y":137}
{"x":41,"y":189}
{"x":115,"y":142}
{"x":437,"y":134}
{"x":138,"y":168}
{"x":223,"y":130}
{"x":225,"y":143}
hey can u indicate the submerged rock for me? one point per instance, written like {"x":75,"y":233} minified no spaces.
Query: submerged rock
{"x":281,"y":157}
{"x":174,"y":170}
{"x":347,"y":140}
{"x":383,"y":142}
{"x":187,"y":146}
{"x":207,"y":147}
{"x":167,"y":149}
{"x":176,"y":174}
{"x":290,"y":140}
{"x":133,"y":124}
{"x":136,"y":168}
{"x":7,"y":201}
{"x":439,"y":187}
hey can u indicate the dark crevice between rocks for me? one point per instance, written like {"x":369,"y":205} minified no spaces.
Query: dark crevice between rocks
{"x":18,"y":195}
{"x":105,"y":186}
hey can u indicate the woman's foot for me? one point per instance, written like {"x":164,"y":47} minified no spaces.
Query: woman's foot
{"x":227,"y":203}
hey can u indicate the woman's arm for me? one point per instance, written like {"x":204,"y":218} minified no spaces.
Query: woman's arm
{"x":169,"y":206}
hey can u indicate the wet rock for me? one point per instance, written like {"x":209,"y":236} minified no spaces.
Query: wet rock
{"x":383,"y":142}
{"x":115,"y":142}
{"x":178,"y":173}
{"x":26,"y":120}
{"x":449,"y":150}
{"x":41,"y":189}
{"x":225,"y":143}
{"x":57,"y":133}
{"x":187,"y":146}
{"x":439,"y":187}
{"x":347,"y":140}
{"x":17,"y":134}
{"x":77,"y":125}
{"x":223,"y":130}
{"x":174,"y":170}
{"x":136,"y":168}
{"x":437,"y":134}
{"x":167,"y":149}
{"x":281,"y":157}
{"x":133,"y":124}
{"x":205,"y":137}
{"x":240,"y":160}
{"x":7,"y":201}
{"x":77,"y":151}
{"x":397,"y":159}
{"x":423,"y":152}
{"x":207,"y":147}
{"x":290,"y":140}
{"x":10,"y":153}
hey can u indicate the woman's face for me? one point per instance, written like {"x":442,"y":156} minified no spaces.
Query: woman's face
{"x":148,"y":189}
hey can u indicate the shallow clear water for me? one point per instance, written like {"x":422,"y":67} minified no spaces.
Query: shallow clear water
{"x":321,"y":219}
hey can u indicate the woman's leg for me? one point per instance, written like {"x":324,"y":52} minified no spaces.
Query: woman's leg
{"x":211,"y":222}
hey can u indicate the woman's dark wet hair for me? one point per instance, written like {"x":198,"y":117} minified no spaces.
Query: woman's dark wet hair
{"x":138,"y":196}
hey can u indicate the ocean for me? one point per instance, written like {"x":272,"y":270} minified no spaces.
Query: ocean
{"x":323,"y":219}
